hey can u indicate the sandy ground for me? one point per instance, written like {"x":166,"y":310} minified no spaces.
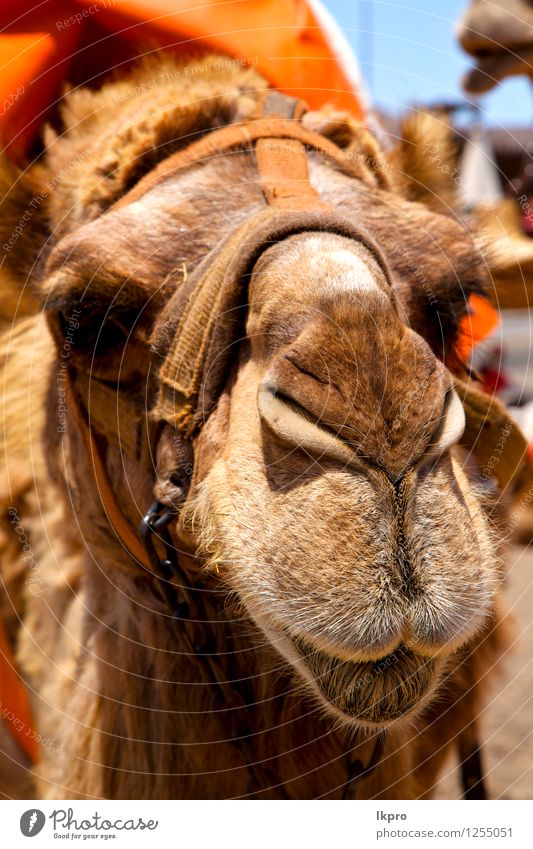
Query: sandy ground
{"x":508,"y":718}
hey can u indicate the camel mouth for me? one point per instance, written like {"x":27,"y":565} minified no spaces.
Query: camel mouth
{"x":491,"y":68}
{"x":374,"y":692}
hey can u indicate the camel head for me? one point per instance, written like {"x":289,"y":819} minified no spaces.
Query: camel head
{"x":328,"y":491}
{"x":499,"y":35}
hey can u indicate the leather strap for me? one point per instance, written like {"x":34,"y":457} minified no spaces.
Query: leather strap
{"x":223,"y":141}
{"x":494,"y":438}
{"x":120,"y":525}
{"x":284,"y":175}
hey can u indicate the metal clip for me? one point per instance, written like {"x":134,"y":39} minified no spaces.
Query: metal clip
{"x":156,"y":521}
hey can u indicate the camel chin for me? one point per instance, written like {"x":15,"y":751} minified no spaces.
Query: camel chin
{"x":371,"y":694}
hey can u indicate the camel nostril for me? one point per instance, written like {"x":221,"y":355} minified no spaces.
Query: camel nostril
{"x":296,"y":426}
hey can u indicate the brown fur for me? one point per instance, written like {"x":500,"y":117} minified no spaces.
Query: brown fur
{"x":425,"y":162}
{"x":290,"y":553}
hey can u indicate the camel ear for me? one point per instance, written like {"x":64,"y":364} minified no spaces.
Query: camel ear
{"x":423,"y":165}
{"x":97,"y":330}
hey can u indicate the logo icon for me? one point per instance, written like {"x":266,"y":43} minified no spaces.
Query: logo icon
{"x":32,"y":822}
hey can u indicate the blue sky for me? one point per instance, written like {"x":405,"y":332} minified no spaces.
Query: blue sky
{"x":413,"y":57}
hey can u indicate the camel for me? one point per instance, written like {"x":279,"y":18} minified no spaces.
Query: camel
{"x":318,"y":609}
{"x":499,"y":35}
